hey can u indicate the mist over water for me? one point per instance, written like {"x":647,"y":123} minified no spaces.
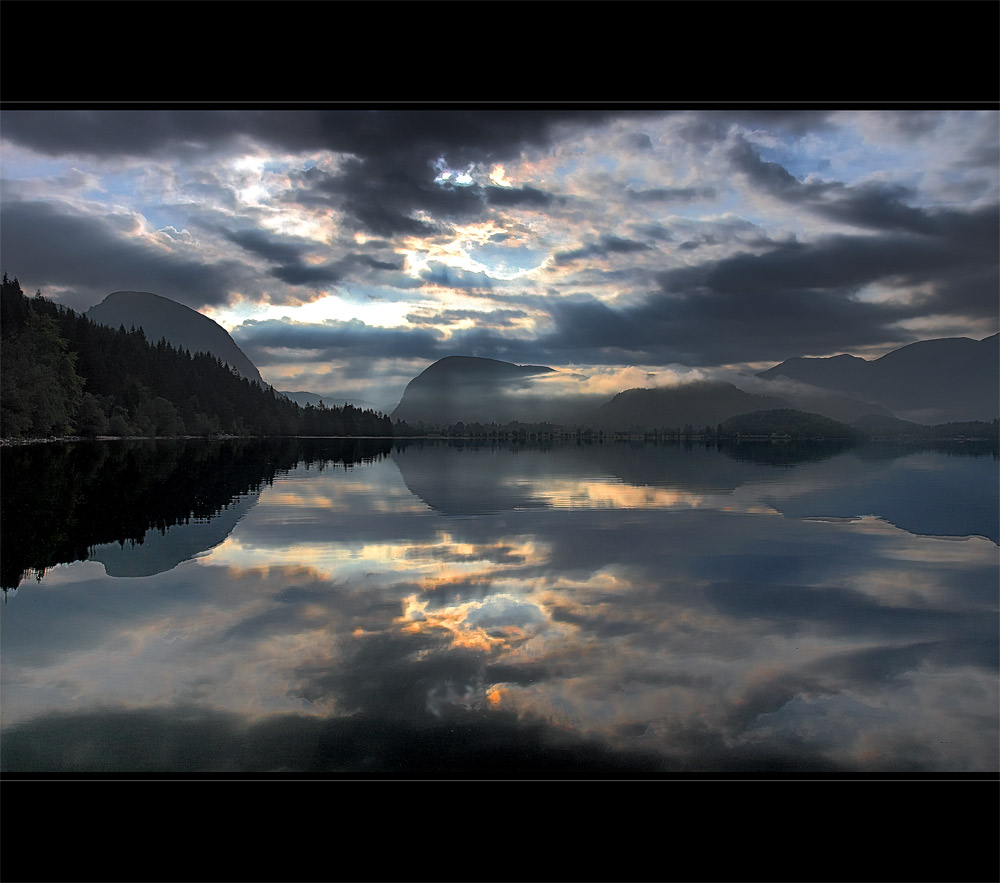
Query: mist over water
{"x":420,"y":608}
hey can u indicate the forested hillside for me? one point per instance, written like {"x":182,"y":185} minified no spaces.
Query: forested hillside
{"x":63,"y":374}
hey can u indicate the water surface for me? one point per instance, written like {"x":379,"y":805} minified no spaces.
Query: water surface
{"x":449,"y":608}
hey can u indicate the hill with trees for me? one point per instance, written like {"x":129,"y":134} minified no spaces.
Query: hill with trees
{"x":786,"y":423}
{"x":698,"y":404}
{"x":161,"y":317}
{"x":61,"y":373}
{"x":471,"y":388}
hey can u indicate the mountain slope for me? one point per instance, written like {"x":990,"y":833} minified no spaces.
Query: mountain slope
{"x":183,"y":327}
{"x":303,"y":398}
{"x":931,"y":381}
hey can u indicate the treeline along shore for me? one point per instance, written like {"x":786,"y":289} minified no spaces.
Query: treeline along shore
{"x":62,"y":374}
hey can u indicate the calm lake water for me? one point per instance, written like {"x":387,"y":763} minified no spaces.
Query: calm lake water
{"x":438,"y":608}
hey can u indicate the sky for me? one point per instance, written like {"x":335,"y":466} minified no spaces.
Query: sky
{"x":347,"y":248}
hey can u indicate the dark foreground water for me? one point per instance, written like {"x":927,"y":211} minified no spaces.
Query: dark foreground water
{"x":436,"y":608}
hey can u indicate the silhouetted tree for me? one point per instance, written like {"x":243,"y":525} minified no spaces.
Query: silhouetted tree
{"x":64,"y":373}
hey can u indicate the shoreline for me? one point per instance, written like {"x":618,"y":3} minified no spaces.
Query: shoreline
{"x":52,"y":439}
{"x":613,"y":437}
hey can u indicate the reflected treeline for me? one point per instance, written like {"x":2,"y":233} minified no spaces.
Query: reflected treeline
{"x":775,"y":452}
{"x":780,"y":452}
{"x":61,"y":500}
{"x":785,"y":452}
{"x":891,"y":450}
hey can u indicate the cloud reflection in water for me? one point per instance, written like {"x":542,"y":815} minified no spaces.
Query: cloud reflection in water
{"x":571,"y":620}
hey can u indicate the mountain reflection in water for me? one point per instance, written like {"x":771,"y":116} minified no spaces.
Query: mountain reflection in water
{"x":437,"y":608}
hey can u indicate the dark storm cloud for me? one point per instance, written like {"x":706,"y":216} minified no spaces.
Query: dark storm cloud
{"x":461,"y":136}
{"x":367,"y":261}
{"x":517,"y":196}
{"x":871,"y":205}
{"x":964,"y":243}
{"x":656,"y":232}
{"x":332,"y":340}
{"x":711,"y":125}
{"x":119,"y":133}
{"x":383,"y":200}
{"x":606,"y":246}
{"x":450,"y":277}
{"x":292,"y":269}
{"x":493,"y":318}
{"x":355,"y":342}
{"x":276,"y":250}
{"x":671,"y":194}
{"x":638,"y":141}
{"x":44,"y":241}
{"x":793,"y":299}
{"x":387,"y":177}
{"x":348,"y":267}
{"x":595,"y":324}
{"x":309,"y":275}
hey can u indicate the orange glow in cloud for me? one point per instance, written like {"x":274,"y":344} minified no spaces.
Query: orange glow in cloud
{"x":416,"y":618}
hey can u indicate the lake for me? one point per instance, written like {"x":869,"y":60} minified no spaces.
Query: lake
{"x":433,"y":608}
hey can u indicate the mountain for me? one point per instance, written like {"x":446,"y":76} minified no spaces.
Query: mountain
{"x":931,"y":381}
{"x":472,"y":389}
{"x":701,"y":404}
{"x":183,"y":327}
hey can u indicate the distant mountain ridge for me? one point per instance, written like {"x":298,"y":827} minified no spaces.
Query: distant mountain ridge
{"x":159,"y":317}
{"x":469,"y":389}
{"x":930,"y":381}
{"x":700,"y":404}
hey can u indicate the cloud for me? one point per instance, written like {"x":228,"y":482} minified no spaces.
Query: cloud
{"x":607,"y":245}
{"x":671,"y":194}
{"x":873,"y":205}
{"x":436,"y":273}
{"x":263,"y":341}
{"x":462,"y":136}
{"x":489,"y":318}
{"x":271,"y":248}
{"x":517,"y":196}
{"x":95,"y":255}
{"x":651,"y":238}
